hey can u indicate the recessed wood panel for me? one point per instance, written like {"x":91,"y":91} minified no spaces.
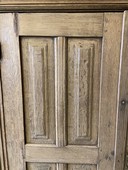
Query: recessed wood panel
{"x":81,"y":167}
{"x":41,"y":166}
{"x":83,"y":90}
{"x":38,"y":89}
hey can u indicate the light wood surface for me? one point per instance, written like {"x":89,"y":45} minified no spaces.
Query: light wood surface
{"x":89,"y":24}
{"x":3,"y":143}
{"x":60,"y":90}
{"x":68,"y":154}
{"x":39,"y":84}
{"x":61,"y":84}
{"x":109,"y":89}
{"x":122,"y":119}
{"x":12,"y":91}
{"x":84,"y":61}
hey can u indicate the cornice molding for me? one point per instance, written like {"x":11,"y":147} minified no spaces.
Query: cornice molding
{"x":92,"y":5}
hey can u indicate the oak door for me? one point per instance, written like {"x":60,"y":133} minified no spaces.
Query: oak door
{"x":61,"y":80}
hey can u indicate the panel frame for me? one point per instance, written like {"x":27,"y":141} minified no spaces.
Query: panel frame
{"x":109,"y":92}
{"x":12,"y":92}
{"x":122,"y":107}
{"x":64,"y":24}
{"x":67,"y":154}
{"x":4,"y":164}
{"x":60,"y":90}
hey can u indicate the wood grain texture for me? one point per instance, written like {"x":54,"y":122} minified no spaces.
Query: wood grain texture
{"x":126,"y":163}
{"x":41,"y":166}
{"x":122,"y":118}
{"x":60,"y":91}
{"x":126,"y":153}
{"x":39,"y":95}
{"x":83,"y":90}
{"x":81,"y":167}
{"x":12,"y":91}
{"x":109,"y":89}
{"x":50,"y":166}
{"x":70,"y":89}
{"x":62,"y":24}
{"x":68,"y":154}
{"x":3,"y":143}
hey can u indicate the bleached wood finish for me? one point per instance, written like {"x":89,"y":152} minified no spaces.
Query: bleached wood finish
{"x":12,"y":91}
{"x":68,"y":154}
{"x":39,"y":95}
{"x":122,"y":119}
{"x":62,"y":24}
{"x":81,"y":167}
{"x":70,"y":67}
{"x":84,"y":61}
{"x":3,"y":143}
{"x":60,"y":91}
{"x":41,"y":166}
{"x":109,"y":90}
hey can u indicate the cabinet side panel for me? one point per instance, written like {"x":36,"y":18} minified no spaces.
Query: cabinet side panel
{"x":12,"y":92}
{"x":122,"y":118}
{"x":109,"y":89}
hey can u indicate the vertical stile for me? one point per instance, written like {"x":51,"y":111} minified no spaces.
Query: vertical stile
{"x":60,"y":91}
{"x":122,"y":107}
{"x":60,"y":52}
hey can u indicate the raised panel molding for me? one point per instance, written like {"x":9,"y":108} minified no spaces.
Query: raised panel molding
{"x":83,"y":90}
{"x":38,"y":61}
{"x":40,"y":166}
{"x":38,"y":81}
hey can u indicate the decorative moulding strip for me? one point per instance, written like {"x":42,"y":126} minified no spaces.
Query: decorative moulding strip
{"x":64,"y":1}
{"x":63,"y":5}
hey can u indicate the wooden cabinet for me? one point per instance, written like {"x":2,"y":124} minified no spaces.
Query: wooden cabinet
{"x":63,"y":90}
